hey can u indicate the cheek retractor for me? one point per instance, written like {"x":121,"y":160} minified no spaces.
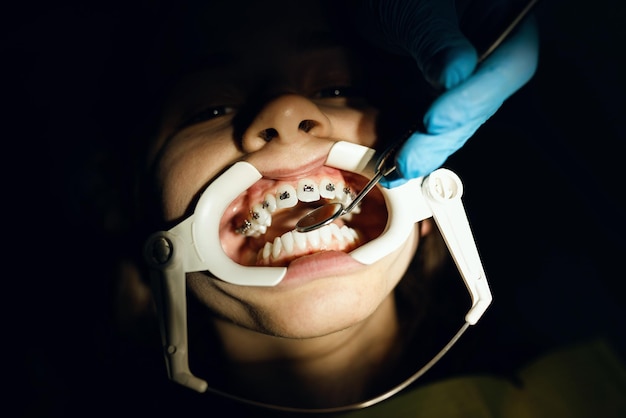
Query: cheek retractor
{"x":437,"y":195}
{"x":194,"y":244}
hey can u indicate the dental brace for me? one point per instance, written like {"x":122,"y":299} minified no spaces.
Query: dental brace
{"x":194,"y":245}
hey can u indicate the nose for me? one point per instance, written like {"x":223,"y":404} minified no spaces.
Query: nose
{"x":287,"y":119}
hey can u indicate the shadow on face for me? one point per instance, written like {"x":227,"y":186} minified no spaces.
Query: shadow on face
{"x":257,"y":43}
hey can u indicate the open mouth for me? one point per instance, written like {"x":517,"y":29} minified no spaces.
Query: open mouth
{"x":258,"y":227}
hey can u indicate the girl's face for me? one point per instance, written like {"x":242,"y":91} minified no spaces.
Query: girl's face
{"x":275,"y":89}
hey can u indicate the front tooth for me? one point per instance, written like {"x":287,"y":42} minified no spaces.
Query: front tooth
{"x":276,"y":247}
{"x":326,"y":235}
{"x":313,"y":237}
{"x":287,"y":240}
{"x":327,"y":189}
{"x":300,"y":239}
{"x":286,"y":197}
{"x":260,"y":215}
{"x":336,"y":232}
{"x":308,"y":191}
{"x":267,"y":250}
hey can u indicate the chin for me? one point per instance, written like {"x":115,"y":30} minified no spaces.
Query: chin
{"x":325,"y":307}
{"x":311,"y":308}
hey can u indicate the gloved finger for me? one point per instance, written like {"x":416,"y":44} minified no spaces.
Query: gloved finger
{"x":442,"y":53}
{"x":456,"y":115}
{"x":449,"y":66}
{"x":507,"y":69}
{"x":426,"y":30}
{"x":423,"y":153}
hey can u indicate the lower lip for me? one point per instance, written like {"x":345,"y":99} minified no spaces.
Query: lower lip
{"x":318,"y":265}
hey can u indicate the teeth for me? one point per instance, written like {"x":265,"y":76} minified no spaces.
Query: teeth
{"x":287,"y":242}
{"x":308,"y":191}
{"x":335,"y":231}
{"x":348,"y":233}
{"x":343,"y":194}
{"x":347,"y":217}
{"x":300,"y":239}
{"x":327,"y":189}
{"x":293,"y":241}
{"x":260,"y":215}
{"x":269,"y":203}
{"x":313,"y":237}
{"x":245,"y":228}
{"x":326,"y":236}
{"x":276,"y":247}
{"x":286,"y":197}
{"x":339,"y":192}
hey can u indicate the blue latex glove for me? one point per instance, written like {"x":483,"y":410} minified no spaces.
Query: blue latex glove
{"x":428,"y":30}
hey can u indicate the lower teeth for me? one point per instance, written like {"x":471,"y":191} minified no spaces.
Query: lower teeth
{"x":320,"y":239}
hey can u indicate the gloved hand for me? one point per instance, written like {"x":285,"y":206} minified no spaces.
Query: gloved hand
{"x":429,"y":31}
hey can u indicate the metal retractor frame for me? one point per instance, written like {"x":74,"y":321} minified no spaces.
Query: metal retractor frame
{"x":194,"y":245}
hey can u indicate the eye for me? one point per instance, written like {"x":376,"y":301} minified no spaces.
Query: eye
{"x":336,"y":91}
{"x":209,"y":114}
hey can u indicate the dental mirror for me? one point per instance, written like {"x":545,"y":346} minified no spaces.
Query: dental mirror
{"x":327,"y":213}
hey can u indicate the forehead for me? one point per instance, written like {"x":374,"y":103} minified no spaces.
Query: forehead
{"x":259,"y":33}
{"x":225,"y":52}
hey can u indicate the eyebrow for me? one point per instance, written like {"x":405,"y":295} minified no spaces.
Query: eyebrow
{"x":316,"y":40}
{"x":303,"y":42}
{"x":220,"y":59}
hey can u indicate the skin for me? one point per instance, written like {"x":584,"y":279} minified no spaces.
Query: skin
{"x":337,"y":330}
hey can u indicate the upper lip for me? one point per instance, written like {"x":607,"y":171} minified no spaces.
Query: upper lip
{"x":295,"y":162}
{"x":278,"y":173}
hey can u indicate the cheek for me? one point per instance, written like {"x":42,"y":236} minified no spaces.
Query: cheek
{"x":394,"y":267}
{"x":186,"y":167}
{"x":358,"y":126}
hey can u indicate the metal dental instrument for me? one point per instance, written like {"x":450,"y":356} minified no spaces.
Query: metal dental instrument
{"x":327,"y":213}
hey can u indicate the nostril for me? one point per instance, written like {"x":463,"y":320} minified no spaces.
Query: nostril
{"x":268,"y":134}
{"x":306,"y":125}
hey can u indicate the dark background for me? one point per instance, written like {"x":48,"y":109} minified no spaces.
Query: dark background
{"x":543,"y":179}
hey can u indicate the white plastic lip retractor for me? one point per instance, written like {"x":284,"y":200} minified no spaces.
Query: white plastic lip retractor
{"x":194,"y":245}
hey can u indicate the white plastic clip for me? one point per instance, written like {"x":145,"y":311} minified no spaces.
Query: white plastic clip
{"x":194,"y":245}
{"x":437,"y":195}
{"x":443,"y":190}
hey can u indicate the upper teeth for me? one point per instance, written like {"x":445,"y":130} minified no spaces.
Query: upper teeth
{"x":308,"y":191}
{"x":287,"y":196}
